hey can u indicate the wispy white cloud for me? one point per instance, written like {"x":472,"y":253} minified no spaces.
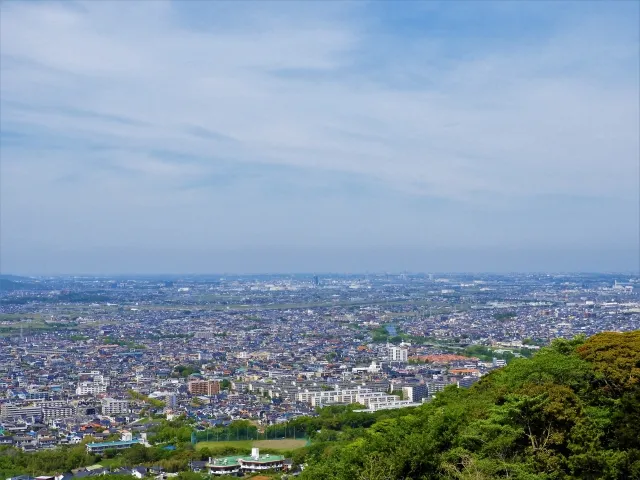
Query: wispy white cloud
{"x":95,"y":90}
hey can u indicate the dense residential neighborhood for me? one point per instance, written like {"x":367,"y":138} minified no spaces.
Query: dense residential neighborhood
{"x":102,"y":361}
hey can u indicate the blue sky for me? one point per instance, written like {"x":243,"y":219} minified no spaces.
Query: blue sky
{"x":169,"y":137}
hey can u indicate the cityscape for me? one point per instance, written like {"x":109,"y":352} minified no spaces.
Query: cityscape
{"x":110,"y":358}
{"x":319,"y":240}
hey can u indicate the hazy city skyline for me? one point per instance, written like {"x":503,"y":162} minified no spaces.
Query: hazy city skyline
{"x":204,"y":137}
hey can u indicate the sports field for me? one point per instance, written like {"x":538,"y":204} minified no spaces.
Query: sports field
{"x":284,"y":444}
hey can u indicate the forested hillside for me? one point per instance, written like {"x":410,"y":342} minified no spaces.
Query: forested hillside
{"x":570,"y":412}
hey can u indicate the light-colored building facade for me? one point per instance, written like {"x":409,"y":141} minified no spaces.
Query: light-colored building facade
{"x":8,"y":410}
{"x":58,"y":411}
{"x":398,"y":354}
{"x":112,"y":406}
{"x":92,"y":383}
{"x":237,"y":465}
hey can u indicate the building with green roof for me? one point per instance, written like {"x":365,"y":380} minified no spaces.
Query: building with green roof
{"x":245,"y":464}
{"x":119,"y":445}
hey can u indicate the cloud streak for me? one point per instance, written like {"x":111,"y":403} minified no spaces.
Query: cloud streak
{"x":261,"y":98}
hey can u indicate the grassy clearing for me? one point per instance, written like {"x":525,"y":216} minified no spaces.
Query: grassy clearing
{"x":283,"y":445}
{"x":231,"y":443}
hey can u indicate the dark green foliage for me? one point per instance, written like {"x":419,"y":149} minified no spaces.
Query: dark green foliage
{"x":485,"y":353}
{"x":14,"y":461}
{"x":122,"y":343}
{"x":177,"y":430}
{"x":380,"y":335}
{"x":184,"y":371}
{"x":570,"y":412}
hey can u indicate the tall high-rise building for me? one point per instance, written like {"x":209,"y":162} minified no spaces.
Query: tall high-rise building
{"x":316,"y":281}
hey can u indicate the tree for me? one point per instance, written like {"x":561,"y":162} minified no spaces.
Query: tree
{"x":571,"y":411}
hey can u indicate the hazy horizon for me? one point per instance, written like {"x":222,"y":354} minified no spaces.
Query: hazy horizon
{"x":163,"y":136}
{"x":175,"y":275}
{"x":356,"y":261}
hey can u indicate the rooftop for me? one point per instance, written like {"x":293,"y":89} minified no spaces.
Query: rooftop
{"x":238,"y":459}
{"x":113,"y":444}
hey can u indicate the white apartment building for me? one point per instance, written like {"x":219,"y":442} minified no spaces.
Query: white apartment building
{"x":90,"y":388}
{"x":57,"y":409}
{"x":92,"y":383}
{"x":390,"y":405}
{"x":51,"y":414}
{"x":321,"y":397}
{"x":368,"y":399}
{"x":373,"y":368}
{"x":9,"y":411}
{"x":365,"y":396}
{"x":372,"y":400}
{"x":112,"y":406}
{"x":398,"y":354}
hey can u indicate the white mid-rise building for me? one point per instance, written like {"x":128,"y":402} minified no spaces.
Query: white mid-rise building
{"x":373,"y":368}
{"x":51,"y":412}
{"x":364,"y":396}
{"x":112,"y":406}
{"x":390,"y":405}
{"x":398,"y":354}
{"x":9,"y":411}
{"x":90,"y":388}
{"x":92,"y":383}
